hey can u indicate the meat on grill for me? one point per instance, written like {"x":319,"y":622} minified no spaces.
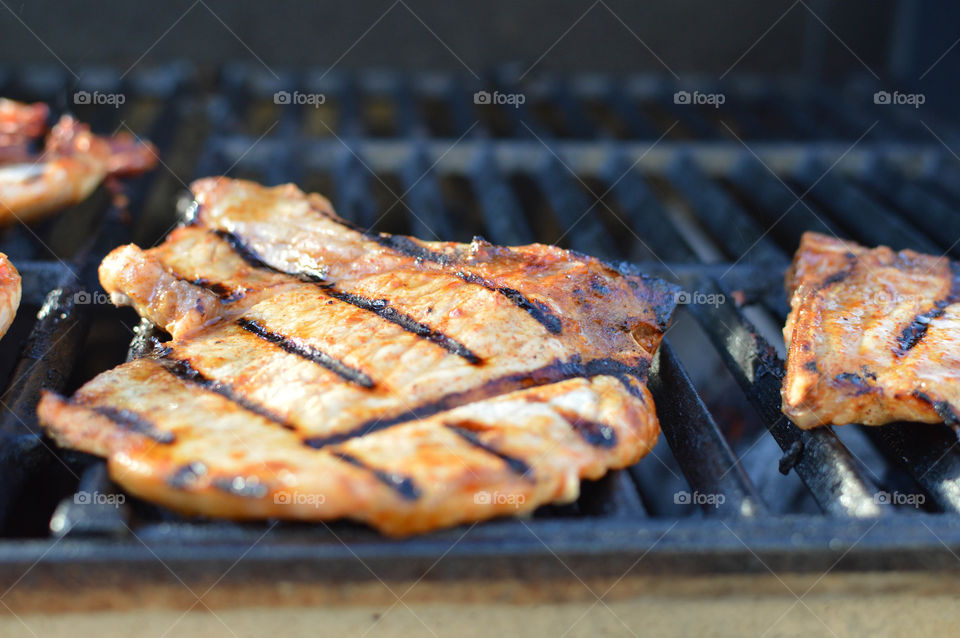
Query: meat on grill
{"x":873,"y":335}
{"x":73,"y":163}
{"x":317,"y":371}
{"x":9,"y":293}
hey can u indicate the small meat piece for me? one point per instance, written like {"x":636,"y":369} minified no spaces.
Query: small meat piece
{"x":9,"y":293}
{"x":74,"y":162}
{"x":873,"y":335}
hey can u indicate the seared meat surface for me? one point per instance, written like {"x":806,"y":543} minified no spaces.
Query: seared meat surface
{"x":9,"y":293}
{"x":873,"y":335}
{"x":317,"y":371}
{"x":73,"y":163}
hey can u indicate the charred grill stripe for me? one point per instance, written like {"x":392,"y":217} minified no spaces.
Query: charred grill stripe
{"x":943,"y":409}
{"x":135,"y":422}
{"x":857,"y":384}
{"x":187,"y":476}
{"x":225,"y":294}
{"x":842,"y":274}
{"x":307,"y":352}
{"x":916,"y":330}
{"x":245,"y":252}
{"x":380,"y":307}
{"x":551,"y":373}
{"x":539,"y":311}
{"x":411,"y":248}
{"x":593,"y":432}
{"x":519,"y":466}
{"x":402,"y":485}
{"x":183,"y":370}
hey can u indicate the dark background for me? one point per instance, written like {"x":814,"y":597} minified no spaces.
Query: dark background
{"x":688,"y":35}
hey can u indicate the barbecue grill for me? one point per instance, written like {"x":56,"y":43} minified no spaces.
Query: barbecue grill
{"x":610,"y":166}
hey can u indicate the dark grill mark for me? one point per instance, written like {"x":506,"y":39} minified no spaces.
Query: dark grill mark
{"x":841,"y":274}
{"x":465,"y":430}
{"x":307,"y":352}
{"x":383,"y":308}
{"x":245,"y":252}
{"x":182,"y":369}
{"x":835,"y":278}
{"x":187,"y":475}
{"x":943,"y":409}
{"x":240,"y":486}
{"x":632,"y":385}
{"x":551,"y":373}
{"x":410,"y":248}
{"x":136,"y":423}
{"x":539,"y":311}
{"x":225,"y":294}
{"x":593,"y":432}
{"x":402,"y":485}
{"x":917,"y":329}
{"x":380,"y":307}
{"x":854,"y":381}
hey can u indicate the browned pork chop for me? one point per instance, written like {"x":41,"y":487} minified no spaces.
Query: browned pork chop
{"x":74,"y":162}
{"x":873,"y":335}
{"x":317,"y":371}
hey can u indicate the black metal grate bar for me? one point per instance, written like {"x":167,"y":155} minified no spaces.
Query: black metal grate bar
{"x":703,"y":454}
{"x":835,"y":479}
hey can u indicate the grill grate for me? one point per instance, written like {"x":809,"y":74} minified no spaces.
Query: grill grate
{"x":582,"y":164}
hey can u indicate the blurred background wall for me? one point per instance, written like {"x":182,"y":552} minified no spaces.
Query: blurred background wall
{"x":687,"y":35}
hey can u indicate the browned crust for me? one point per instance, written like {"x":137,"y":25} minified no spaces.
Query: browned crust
{"x":857,"y":335}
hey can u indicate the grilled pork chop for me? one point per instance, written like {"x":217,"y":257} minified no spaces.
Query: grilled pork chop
{"x":73,"y":164}
{"x":318,"y":372}
{"x":9,"y":293}
{"x":873,"y":335}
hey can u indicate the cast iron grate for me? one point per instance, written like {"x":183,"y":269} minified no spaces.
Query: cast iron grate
{"x":601,"y":165}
